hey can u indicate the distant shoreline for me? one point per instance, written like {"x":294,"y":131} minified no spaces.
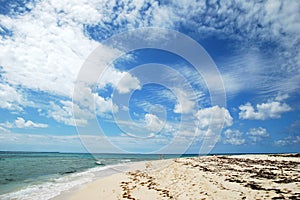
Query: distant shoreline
{"x":233,"y":153}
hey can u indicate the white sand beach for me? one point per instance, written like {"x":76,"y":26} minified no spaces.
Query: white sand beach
{"x":210,"y":177}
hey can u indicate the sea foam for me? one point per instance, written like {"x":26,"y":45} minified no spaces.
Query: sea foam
{"x":54,"y":187}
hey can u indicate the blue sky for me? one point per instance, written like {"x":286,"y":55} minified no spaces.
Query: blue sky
{"x":45,"y":44}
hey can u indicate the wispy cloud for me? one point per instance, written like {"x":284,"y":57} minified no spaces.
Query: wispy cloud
{"x":50,"y":52}
{"x":44,"y":44}
{"x":269,"y":29}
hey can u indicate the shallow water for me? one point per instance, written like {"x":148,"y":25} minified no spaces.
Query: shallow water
{"x":31,"y":175}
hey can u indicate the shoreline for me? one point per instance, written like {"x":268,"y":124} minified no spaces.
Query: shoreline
{"x":206,"y":177}
{"x":112,"y":177}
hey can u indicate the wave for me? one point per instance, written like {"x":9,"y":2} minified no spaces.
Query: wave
{"x":55,"y":186}
{"x":126,"y":160}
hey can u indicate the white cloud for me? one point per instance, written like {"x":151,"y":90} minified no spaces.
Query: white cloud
{"x":266,"y":20}
{"x":247,"y":65}
{"x":10,"y":97}
{"x":42,"y":52}
{"x":57,"y":47}
{"x":248,"y":22}
{"x":185,"y":103}
{"x":125,"y":108}
{"x":2,"y":129}
{"x":48,"y":47}
{"x":122,"y":81}
{"x":290,"y":140}
{"x":187,"y":133}
{"x":188,"y":88}
{"x":153,"y":123}
{"x":234,"y":137}
{"x":49,"y":44}
{"x":251,"y":70}
{"x":63,"y":113}
{"x":104,"y":105}
{"x":91,"y":101}
{"x":209,"y":124}
{"x":214,"y":117}
{"x":269,"y":110}
{"x":22,"y":123}
{"x":85,"y":106}
{"x":128,"y":83}
{"x":148,"y":125}
{"x":257,"y":134}
{"x":281,"y":97}
{"x":262,"y":132}
{"x":40,"y":142}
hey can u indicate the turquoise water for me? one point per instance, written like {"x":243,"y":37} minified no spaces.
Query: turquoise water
{"x":31,"y":175}
{"x":19,"y":169}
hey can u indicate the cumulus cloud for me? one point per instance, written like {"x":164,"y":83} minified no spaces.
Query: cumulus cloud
{"x":22,"y":123}
{"x":290,"y":140}
{"x":153,"y":123}
{"x":61,"y":40}
{"x":237,"y":137}
{"x":270,"y":110}
{"x":215,"y":117}
{"x":234,"y":137}
{"x":257,"y":134}
{"x":122,"y":81}
{"x":209,"y":124}
{"x":262,"y":132}
{"x":89,"y":99}
{"x":128,"y":83}
{"x":50,"y":55}
{"x":49,"y":45}
{"x":10,"y":99}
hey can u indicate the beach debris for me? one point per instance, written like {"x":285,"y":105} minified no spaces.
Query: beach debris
{"x":265,"y":177}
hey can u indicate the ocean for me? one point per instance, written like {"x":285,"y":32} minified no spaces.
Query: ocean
{"x":32,"y":175}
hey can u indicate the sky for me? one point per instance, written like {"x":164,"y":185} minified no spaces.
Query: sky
{"x":98,"y":76}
